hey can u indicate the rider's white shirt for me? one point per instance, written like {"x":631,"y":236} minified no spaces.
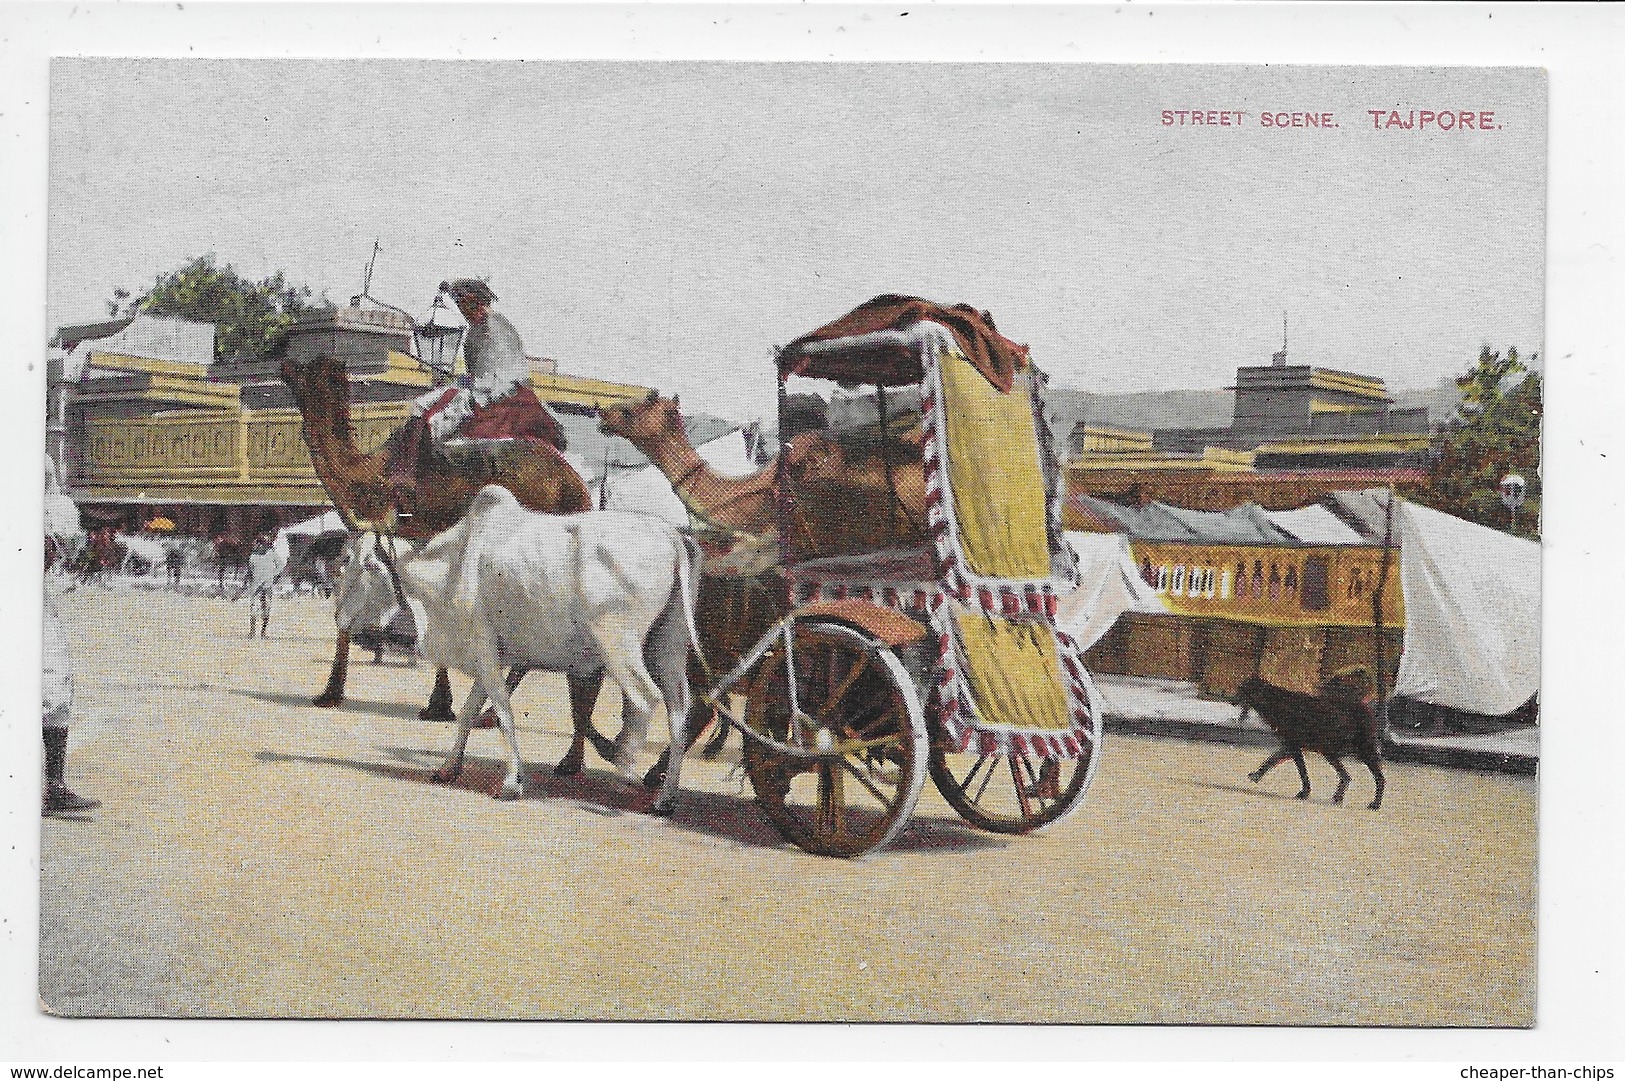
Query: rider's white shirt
{"x":496,"y":368}
{"x":496,"y":358}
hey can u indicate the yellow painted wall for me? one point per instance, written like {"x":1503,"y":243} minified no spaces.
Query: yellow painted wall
{"x":233,"y":456}
{"x":1201,"y":580}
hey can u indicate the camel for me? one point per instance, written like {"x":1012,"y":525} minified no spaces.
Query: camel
{"x":840,"y":497}
{"x":534,"y":472}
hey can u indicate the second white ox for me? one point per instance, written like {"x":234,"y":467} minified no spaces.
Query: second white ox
{"x":602,"y":591}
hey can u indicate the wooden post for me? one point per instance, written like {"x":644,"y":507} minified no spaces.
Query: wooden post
{"x":1376,"y":613}
{"x":886,"y":464}
{"x":782,"y":496}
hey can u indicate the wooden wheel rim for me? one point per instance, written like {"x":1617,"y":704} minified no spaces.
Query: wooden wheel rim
{"x":837,"y":804}
{"x":1017,"y":792}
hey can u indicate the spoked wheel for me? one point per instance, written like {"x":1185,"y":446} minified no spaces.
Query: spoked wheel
{"x":1016,"y":792}
{"x":857,"y":734}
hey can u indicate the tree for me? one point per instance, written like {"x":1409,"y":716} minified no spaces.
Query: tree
{"x":248,"y":316}
{"x":1495,"y":431}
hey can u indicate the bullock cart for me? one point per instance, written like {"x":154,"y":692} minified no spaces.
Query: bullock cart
{"x":919,"y":557}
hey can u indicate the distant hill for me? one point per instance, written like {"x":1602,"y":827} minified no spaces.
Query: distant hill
{"x":1148,"y":410}
{"x":1440,"y":399}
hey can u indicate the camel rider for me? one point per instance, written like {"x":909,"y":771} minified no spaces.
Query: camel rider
{"x":493,"y":401}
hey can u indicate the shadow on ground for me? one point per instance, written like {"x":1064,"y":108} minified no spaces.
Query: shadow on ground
{"x":1265,"y":793}
{"x":350,"y":705}
{"x":732,"y":818}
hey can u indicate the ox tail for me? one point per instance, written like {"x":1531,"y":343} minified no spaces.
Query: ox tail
{"x":688,"y":574}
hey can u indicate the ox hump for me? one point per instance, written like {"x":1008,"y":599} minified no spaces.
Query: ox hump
{"x":491,"y":497}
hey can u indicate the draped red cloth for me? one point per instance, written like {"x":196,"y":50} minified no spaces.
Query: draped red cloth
{"x":995,"y":356}
{"x":517,"y":415}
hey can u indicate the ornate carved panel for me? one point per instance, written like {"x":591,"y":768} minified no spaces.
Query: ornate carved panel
{"x":179,"y":447}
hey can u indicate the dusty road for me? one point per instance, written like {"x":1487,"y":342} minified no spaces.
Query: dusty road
{"x":256,"y":857}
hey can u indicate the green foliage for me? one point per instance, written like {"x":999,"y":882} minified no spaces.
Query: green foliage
{"x":248,"y":316}
{"x":1496,"y":431}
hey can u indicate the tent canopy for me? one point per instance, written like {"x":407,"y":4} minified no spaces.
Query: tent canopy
{"x":591,"y":451}
{"x":1314,"y":524}
{"x":1472,"y":613}
{"x":1246,"y":524}
{"x":1108,"y":586}
{"x":326,"y":522}
{"x":646,"y":490}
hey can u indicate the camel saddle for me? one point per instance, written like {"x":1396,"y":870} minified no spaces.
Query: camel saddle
{"x":477,"y":459}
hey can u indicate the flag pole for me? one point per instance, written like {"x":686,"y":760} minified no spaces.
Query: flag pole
{"x":1376,"y":612}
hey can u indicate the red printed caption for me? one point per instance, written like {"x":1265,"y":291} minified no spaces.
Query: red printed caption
{"x":1235,"y":118}
{"x":1420,"y":120}
{"x":1430,"y":120}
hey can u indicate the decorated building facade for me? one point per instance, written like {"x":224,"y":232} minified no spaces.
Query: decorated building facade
{"x":1292,"y":596}
{"x":144,"y":422}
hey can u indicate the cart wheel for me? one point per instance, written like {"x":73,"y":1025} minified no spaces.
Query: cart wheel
{"x":1016,"y":792}
{"x":856,"y":699}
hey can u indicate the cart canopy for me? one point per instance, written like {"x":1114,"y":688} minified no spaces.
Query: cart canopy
{"x":1007,"y":680}
{"x":868,"y":344}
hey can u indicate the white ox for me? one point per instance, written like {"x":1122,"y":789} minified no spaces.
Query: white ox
{"x":601,"y":591}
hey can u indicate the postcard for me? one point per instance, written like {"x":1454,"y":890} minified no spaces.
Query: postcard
{"x":789,"y":542}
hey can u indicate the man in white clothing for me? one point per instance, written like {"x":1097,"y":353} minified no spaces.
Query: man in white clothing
{"x":493,"y":401}
{"x":63,"y":534}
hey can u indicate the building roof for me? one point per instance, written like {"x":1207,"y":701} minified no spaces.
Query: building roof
{"x":68,"y":337}
{"x":1263,"y":377}
{"x":143,"y":342}
{"x":1365,"y":511}
{"x":1314,"y":524}
{"x":1246,"y":524}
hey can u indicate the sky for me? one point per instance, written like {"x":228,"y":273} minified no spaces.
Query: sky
{"x":669,"y":224}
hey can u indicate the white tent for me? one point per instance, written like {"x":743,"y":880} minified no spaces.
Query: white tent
{"x":1472,"y":613}
{"x":647,"y":491}
{"x":328,"y":522}
{"x":1313,"y":524}
{"x":1108,"y":585}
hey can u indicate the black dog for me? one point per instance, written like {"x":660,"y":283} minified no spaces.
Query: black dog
{"x":1334,"y":726}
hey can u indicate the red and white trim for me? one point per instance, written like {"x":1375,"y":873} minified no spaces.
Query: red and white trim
{"x":957,"y":709}
{"x":968,"y":730}
{"x":959,"y":588}
{"x":1010,"y":597}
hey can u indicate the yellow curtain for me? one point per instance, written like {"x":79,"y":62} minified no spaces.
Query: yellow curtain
{"x":1013,"y":673}
{"x":993,"y":471}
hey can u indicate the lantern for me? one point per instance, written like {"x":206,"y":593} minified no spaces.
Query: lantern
{"x":1512,"y":489}
{"x":439,"y":336}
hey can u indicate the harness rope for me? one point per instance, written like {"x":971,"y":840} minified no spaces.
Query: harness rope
{"x":386,"y":555}
{"x":680,"y":485}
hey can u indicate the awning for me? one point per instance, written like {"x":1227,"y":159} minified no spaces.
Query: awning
{"x":870,"y":344}
{"x":1472,"y":613}
{"x":1108,"y":586}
